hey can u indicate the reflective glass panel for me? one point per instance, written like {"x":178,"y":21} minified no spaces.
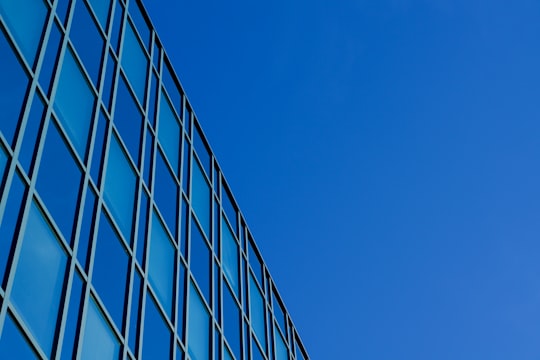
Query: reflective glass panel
{"x":200,"y":260}
{"x":134,"y":320}
{"x":128,"y":119}
{"x":111,"y":263}
{"x":12,"y":87}
{"x":38,"y":279}
{"x":99,"y":341}
{"x":51,"y":55}
{"x":166,"y":193}
{"x":255,"y":262}
{"x":3,"y":163}
{"x":58,"y":180}
{"x":229,"y":255}
{"x":181,"y":301}
{"x":169,"y":132}
{"x":101,"y":9}
{"x":231,"y":321}
{"x":229,"y":206}
{"x":257,"y":311}
{"x":256,"y":351}
{"x":157,"y":336}
{"x":279,"y":313}
{"x":108,"y":86}
{"x":120,"y":182}
{"x":281,"y":349}
{"x":202,"y":150}
{"x":99,"y":145}
{"x":201,"y":197}
{"x":73,"y":316}
{"x":86,"y":227}
{"x":198,"y":341}
{"x":13,"y":344}
{"x":161,"y":269}
{"x":25,"y":19}
{"x":74,"y":103}
{"x":134,"y":62}
{"x":143,"y":227}
{"x":117,"y":23}
{"x":172,"y":87}
{"x":140,"y":22}
{"x":33,"y":124}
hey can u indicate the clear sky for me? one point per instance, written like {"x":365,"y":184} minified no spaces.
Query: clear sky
{"x":386,"y":155}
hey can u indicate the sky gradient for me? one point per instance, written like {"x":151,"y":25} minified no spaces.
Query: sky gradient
{"x":385,"y":155}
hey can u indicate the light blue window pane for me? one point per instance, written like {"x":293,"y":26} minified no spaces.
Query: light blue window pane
{"x":39,"y":278}
{"x":25,"y":19}
{"x":99,"y":341}
{"x":13,"y":344}
{"x":227,"y":355}
{"x":279,"y":312}
{"x":198,"y":336}
{"x":169,"y":132}
{"x":120,"y":182}
{"x":229,"y":250}
{"x":74,"y":103}
{"x":134,"y":62}
{"x":101,"y":9}
{"x":257,"y":311}
{"x":200,"y":194}
{"x":281,"y":349}
{"x":161,"y":271}
{"x":157,"y":336}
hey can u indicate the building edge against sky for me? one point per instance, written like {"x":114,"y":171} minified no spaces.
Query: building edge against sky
{"x":119,"y":236}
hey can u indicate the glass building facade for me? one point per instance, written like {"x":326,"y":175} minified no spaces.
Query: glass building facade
{"x":119,"y":236}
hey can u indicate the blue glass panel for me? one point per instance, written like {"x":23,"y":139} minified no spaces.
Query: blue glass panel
{"x":153,"y":99}
{"x":61,"y":9}
{"x":215,"y":230}
{"x":172,"y":87}
{"x":87,"y":39}
{"x":157,"y":336}
{"x":117,"y":25}
{"x":227,"y":354}
{"x":187,"y":120}
{"x":128,"y":119}
{"x":13,"y":344}
{"x":12,"y":87}
{"x":185,"y":167}
{"x":202,"y":151}
{"x":179,"y":353}
{"x":279,"y":313}
{"x":74,"y":103}
{"x":217,"y":344}
{"x":216,"y":180}
{"x":101,"y":9}
{"x":169,"y":132}
{"x":3,"y":163}
{"x":156,"y":55}
{"x":25,"y":19}
{"x":229,"y":207}
{"x":134,"y":321}
{"x":99,"y":145}
{"x":143,"y":227}
{"x":99,"y":341}
{"x":148,"y":151}
{"x":10,"y":221}
{"x":134,"y":62}
{"x":281,"y":349}
{"x":166,"y":193}
{"x":198,"y":335}
{"x":140,"y":22}
{"x":108,"y":86}
{"x":231,"y":322}
{"x":200,"y":260}
{"x":201,"y":197}
{"x":256,"y":351}
{"x":86,"y":227}
{"x":257,"y":311}
{"x":230,"y":256}
{"x":110,"y":270}
{"x":38,"y":279}
{"x":51,"y":55}
{"x":73,"y":317}
{"x":217,"y":293}
{"x":181,"y":301}
{"x":298,"y":351}
{"x":184,"y":234}
{"x":59,"y":192}
{"x":255,"y":262}
{"x":161,"y":269}
{"x":120,"y":182}
{"x":33,"y":124}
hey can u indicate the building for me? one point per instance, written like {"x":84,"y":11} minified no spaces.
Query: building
{"x":119,"y":236}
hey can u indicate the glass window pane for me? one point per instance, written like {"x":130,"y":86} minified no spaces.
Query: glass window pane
{"x":12,"y":87}
{"x":140,"y":22}
{"x":172,"y":87}
{"x":13,"y":344}
{"x":230,"y":255}
{"x":231,"y":321}
{"x":101,"y":9}
{"x":200,"y":260}
{"x":39,"y":278}
{"x":110,"y":270}
{"x":74,"y":103}
{"x":169,"y":132}
{"x":33,"y":125}
{"x":87,"y":40}
{"x":143,"y":227}
{"x":117,"y":23}
{"x":181,"y":301}
{"x":134,"y":321}
{"x":99,"y":145}
{"x":279,"y":313}
{"x":3,"y":163}
{"x":72,"y":317}
{"x":108,"y":86}
{"x":99,"y":341}
{"x":148,"y":151}
{"x":120,"y":182}
{"x":186,"y":167}
{"x":257,"y":311}
{"x":229,"y":207}
{"x":86,"y":227}
{"x":166,"y":193}
{"x":157,"y":336}
{"x":198,"y":336}
{"x":281,"y":349}
{"x":161,"y":271}
{"x":51,"y":55}
{"x":255,"y":262}
{"x":201,"y":197}
{"x":128,"y":119}
{"x":134,"y":62}
{"x":256,"y":350}
{"x":202,"y":151}
{"x":25,"y":19}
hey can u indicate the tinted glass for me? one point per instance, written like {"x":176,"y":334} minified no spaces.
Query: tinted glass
{"x":134,"y":317}
{"x":166,"y":193}
{"x":161,"y":270}
{"x":120,"y":182}
{"x":157,"y":336}
{"x":99,"y":145}
{"x":58,"y":180}
{"x":279,"y":313}
{"x":108,"y":86}
{"x":281,"y":348}
{"x":200,"y":197}
{"x":198,"y":341}
{"x":99,"y":341}
{"x":74,"y":103}
{"x":255,"y":262}
{"x":73,"y":316}
{"x":128,"y":119}
{"x":25,"y":19}
{"x":200,"y":260}
{"x":13,"y":344}
{"x":229,"y":206}
{"x":38,"y":279}
{"x":51,"y":55}
{"x":140,"y":23}
{"x":101,"y":9}
{"x":256,"y":351}
{"x":169,"y":132}
{"x":12,"y":87}
{"x":143,"y":227}
{"x":31,"y":131}
{"x":148,"y":151}
{"x":117,"y":23}
{"x":110,"y":270}
{"x":181,"y":301}
{"x":134,"y":62}
{"x":172,"y":87}
{"x":86,"y":227}
{"x":202,"y":151}
{"x":3,"y":163}
{"x":257,"y":311}
{"x":231,"y":322}
{"x":229,"y":255}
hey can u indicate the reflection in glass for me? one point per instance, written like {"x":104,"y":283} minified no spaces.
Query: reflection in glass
{"x":99,"y":341}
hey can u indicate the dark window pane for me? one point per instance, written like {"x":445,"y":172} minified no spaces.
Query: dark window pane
{"x":181,"y":301}
{"x":279,"y":313}
{"x":39,"y":278}
{"x":117,"y":25}
{"x":156,"y":55}
{"x":153,"y":98}
{"x":157,"y":336}
{"x":99,"y":341}
{"x":87,"y":227}
{"x":187,"y":120}
{"x":140,"y":22}
{"x":184,"y":234}
{"x":128,"y":119}
{"x":198,"y":341}
{"x":231,"y":321}
{"x":255,"y":262}
{"x":201,"y":197}
{"x":148,"y":151}
{"x":72,"y":319}
{"x":12,"y":87}
{"x":143,"y":227}
{"x":51,"y":56}
{"x":59,"y":179}
{"x":166,"y":193}
{"x":200,"y":260}
{"x":61,"y":9}
{"x":99,"y":145}
{"x":185,"y":167}
{"x":229,"y":207}
{"x":108,"y":86}
{"x":110,"y":270}
{"x":134,"y":321}
{"x":13,"y":344}
{"x":169,"y":132}
{"x":134,"y":62}
{"x":172,"y":87}
{"x":33,"y":125}
{"x":3,"y":164}
{"x":256,"y":351}
{"x":202,"y":151}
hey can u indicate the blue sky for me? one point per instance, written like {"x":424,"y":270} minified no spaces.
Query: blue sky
{"x":386,"y":157}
